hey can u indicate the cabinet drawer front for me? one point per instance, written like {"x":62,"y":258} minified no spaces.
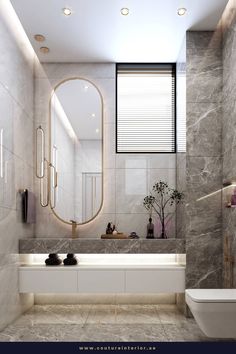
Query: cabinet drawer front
{"x":47,"y":281}
{"x":155,"y":281}
{"x":101,"y":281}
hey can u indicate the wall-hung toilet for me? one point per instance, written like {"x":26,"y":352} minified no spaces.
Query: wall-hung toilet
{"x":214,"y":311}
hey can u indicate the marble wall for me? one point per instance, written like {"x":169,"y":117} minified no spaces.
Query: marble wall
{"x":181,"y":138}
{"x":229,"y":130}
{"x":181,"y":152}
{"x":16,"y":156}
{"x":203,"y":160}
{"x":127,"y":177}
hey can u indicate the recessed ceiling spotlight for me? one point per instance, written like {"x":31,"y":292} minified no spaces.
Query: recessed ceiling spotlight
{"x":181,"y":11}
{"x":93,"y":115}
{"x":97,"y":131}
{"x":86,"y":88}
{"x":66,"y":11}
{"x":39,"y":37}
{"x":124,"y":11}
{"x":44,"y":50}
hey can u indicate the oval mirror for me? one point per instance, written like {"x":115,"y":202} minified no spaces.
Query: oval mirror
{"x":76,"y":148}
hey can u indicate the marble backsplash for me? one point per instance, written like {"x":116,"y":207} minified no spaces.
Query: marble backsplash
{"x":204,"y":160}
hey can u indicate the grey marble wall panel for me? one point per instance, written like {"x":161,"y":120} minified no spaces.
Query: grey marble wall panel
{"x":204,"y":129}
{"x":204,"y":67}
{"x":204,"y":260}
{"x":204,"y":160}
{"x":229,"y":129}
{"x":229,"y":123}
{"x":181,"y":139}
{"x":47,"y":245}
{"x":171,"y":246}
{"x":203,"y":176}
{"x":229,"y":164}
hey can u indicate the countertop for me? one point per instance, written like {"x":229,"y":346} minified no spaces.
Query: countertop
{"x":96,"y":245}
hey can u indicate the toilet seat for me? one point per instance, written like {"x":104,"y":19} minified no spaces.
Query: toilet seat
{"x":212,"y":295}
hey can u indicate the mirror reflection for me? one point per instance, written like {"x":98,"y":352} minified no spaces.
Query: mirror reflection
{"x":76,"y":150}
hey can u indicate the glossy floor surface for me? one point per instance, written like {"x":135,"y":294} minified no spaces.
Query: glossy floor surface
{"x":118,"y":323}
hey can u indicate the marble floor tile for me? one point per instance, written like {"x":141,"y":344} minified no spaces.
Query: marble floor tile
{"x":102,"y":323}
{"x":169,"y":314}
{"x":55,"y":314}
{"x":184,"y":333}
{"x":126,"y":333}
{"x":44,"y":333}
{"x":87,"y":333}
{"x":137,"y":314}
{"x":102,"y":314}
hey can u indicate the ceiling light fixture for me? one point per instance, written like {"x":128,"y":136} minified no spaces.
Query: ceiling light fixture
{"x":39,"y":37}
{"x":66,"y":11}
{"x":97,"y":131}
{"x":124,"y":11}
{"x":93,"y":115}
{"x":44,"y":50}
{"x":181,"y":11}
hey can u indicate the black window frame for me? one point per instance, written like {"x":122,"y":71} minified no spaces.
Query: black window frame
{"x":163,"y":65}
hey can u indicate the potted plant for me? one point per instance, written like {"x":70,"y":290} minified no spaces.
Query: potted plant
{"x":159,"y":200}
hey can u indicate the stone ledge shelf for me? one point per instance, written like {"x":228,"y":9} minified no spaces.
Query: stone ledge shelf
{"x":83,"y":246}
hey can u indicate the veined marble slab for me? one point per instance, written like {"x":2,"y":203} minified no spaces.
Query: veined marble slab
{"x":62,"y":245}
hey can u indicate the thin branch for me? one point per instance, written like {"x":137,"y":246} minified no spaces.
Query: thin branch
{"x":167,"y":222}
{"x":157,"y":204}
{"x":167,"y":201}
{"x":158,"y":213}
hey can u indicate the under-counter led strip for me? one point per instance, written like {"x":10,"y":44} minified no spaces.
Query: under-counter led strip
{"x":119,"y":259}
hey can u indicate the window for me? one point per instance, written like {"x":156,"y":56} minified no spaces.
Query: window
{"x":145,"y":117}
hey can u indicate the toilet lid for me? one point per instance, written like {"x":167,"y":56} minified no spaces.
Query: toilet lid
{"x":212,"y":295}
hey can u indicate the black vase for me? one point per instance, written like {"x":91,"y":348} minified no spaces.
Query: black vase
{"x":53,"y":260}
{"x":70,"y":260}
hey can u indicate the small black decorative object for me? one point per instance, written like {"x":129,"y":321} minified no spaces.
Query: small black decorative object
{"x":133,"y":235}
{"x":53,"y":260}
{"x":109,"y":228}
{"x":70,"y":260}
{"x":150,"y":229}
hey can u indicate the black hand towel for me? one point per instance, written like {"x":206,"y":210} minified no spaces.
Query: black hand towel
{"x":28,"y":207}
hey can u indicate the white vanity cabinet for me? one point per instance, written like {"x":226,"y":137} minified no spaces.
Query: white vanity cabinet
{"x":162,"y":280}
{"x":44,"y":280}
{"x":102,"y":279}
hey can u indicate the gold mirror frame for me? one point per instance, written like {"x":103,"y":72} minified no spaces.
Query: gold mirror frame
{"x":50,"y":150}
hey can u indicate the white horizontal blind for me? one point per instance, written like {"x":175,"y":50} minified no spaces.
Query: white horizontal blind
{"x":145,"y":108}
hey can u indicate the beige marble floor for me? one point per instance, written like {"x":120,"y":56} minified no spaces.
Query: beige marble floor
{"x":121,"y":323}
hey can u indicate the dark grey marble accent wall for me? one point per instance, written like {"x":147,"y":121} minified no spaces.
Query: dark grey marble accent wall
{"x":181,"y":152}
{"x":229,"y":131}
{"x":204,"y":160}
{"x":181,"y":138}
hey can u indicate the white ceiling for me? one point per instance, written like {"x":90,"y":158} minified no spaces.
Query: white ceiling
{"x":97,"y":32}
